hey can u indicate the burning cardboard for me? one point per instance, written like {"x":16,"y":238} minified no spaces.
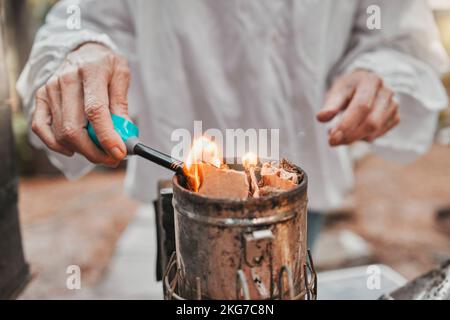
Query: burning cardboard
{"x":266,"y":179}
{"x":277,"y":177}
{"x":223,"y":183}
{"x":207,"y":175}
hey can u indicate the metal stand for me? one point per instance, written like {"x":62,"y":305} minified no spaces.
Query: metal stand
{"x":173,"y":277}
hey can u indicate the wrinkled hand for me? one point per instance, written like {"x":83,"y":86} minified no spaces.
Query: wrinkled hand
{"x":91,"y":84}
{"x":367,"y":106}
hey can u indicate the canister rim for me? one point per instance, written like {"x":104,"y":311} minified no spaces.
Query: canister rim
{"x":197,"y":198}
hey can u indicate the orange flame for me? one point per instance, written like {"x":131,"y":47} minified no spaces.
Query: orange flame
{"x":249,"y":159}
{"x":203,"y":150}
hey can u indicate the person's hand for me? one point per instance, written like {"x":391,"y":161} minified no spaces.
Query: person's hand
{"x":91,"y":84}
{"x":368,"y":108}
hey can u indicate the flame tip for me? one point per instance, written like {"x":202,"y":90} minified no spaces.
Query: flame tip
{"x":249,"y":159}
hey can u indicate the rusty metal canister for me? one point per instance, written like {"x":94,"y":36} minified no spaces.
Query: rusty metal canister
{"x":241,"y":249}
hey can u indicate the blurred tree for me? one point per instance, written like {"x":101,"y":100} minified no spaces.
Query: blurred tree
{"x":17,"y":20}
{"x":23,"y":19}
{"x":14,"y":272}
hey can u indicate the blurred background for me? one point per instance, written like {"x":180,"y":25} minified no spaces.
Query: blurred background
{"x":396,"y":215}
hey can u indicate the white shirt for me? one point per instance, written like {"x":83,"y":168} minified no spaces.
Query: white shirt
{"x":253,"y":64}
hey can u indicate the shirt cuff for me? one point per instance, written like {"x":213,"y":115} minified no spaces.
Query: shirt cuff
{"x":412,"y":137}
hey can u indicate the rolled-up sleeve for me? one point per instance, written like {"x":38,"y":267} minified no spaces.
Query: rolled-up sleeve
{"x":407,"y":54}
{"x":105,"y":22}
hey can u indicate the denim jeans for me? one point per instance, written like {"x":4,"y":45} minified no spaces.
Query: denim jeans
{"x":315,"y":223}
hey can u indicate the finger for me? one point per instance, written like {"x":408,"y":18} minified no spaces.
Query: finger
{"x":96,"y":107}
{"x":74,"y":121}
{"x":359,"y":108}
{"x":72,"y":107}
{"x":42,"y":124}
{"x":118,"y":88}
{"x":392,"y":121}
{"x":336,"y":100}
{"x":72,"y":113}
{"x":392,"y":125}
{"x":54,"y":100}
{"x":376,"y":120}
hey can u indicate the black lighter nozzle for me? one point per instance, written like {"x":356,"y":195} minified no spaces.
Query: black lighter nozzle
{"x":159,"y":158}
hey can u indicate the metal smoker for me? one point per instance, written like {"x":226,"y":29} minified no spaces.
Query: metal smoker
{"x":234,"y":249}
{"x":229,"y":249}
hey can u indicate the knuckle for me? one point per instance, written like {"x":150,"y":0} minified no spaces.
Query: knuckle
{"x":344,"y":127}
{"x":121,"y":61}
{"x":121,"y":66}
{"x":41,"y":93}
{"x":47,"y":87}
{"x":94,"y":108}
{"x":105,"y":140}
{"x":376,"y":80}
{"x":67,"y":153}
{"x":124,"y":71}
{"x":86,"y":67}
{"x":109,"y":57}
{"x":348,"y":140}
{"x":389,"y":94}
{"x":364,"y":107}
{"x":336,"y":83}
{"x":357,"y":75}
{"x":68,"y":78}
{"x":68,"y":133}
{"x":35,"y":127}
{"x":371,"y":126}
{"x":52,"y":83}
{"x":90,"y":69}
{"x":395,"y":105}
{"x":53,"y":145}
{"x":121,"y":105}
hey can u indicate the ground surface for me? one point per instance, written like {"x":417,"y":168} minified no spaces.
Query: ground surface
{"x":71,"y":223}
{"x":80,"y":222}
{"x":395,"y":210}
